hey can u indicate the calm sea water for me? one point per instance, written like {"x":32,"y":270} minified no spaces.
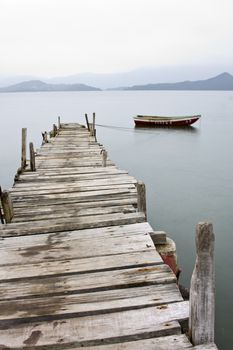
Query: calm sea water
{"x":188,"y":173}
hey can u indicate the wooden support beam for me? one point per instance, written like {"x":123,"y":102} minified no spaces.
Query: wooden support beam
{"x":105,"y":156}
{"x":32,"y":157}
{"x":87,"y":122}
{"x":141,"y":197}
{"x":202,"y":290}
{"x":7,"y":206}
{"x":24,"y":149}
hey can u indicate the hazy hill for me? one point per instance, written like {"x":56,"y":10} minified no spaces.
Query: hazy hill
{"x":140,"y":76}
{"x":38,"y":85}
{"x":223,"y":81}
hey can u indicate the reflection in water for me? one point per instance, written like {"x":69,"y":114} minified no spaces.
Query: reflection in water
{"x":178,"y":129}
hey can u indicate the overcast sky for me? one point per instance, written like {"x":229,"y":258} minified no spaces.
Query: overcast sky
{"x":61,"y":37}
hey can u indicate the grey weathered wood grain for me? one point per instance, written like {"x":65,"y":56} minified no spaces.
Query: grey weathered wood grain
{"x":7,"y":206}
{"x":78,"y":266}
{"x":202,"y":290}
{"x":73,"y":244}
{"x":100,"y":329}
{"x":24,"y":149}
{"x":32,"y":157}
{"x":24,"y":268}
{"x":173,"y":342}
{"x":86,"y":282}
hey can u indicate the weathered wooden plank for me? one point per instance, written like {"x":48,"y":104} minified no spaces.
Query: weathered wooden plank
{"x":25,"y":268}
{"x":59,"y":208}
{"x":84,"y":202}
{"x":86,"y":282}
{"x":108,"y":180}
{"x":77,"y":195}
{"x":85,"y":304}
{"x":71,"y":164}
{"x":210,"y":346}
{"x":99,"y":329}
{"x":142,"y":229}
{"x":75,"y":188}
{"x":79,"y":223}
{"x":35,"y":215}
{"x":70,"y":245}
{"x":69,"y":171}
{"x":173,"y":342}
{"x":39,"y":179}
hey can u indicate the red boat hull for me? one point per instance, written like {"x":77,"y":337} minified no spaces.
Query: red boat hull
{"x":166,"y":123}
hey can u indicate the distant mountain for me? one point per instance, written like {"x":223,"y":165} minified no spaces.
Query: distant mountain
{"x":223,"y":81}
{"x":38,"y":85}
{"x":144,"y":75}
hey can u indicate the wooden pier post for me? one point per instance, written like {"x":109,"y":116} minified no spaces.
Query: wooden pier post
{"x":87,"y":121}
{"x":105,"y":156}
{"x":32,"y":157}
{"x":45,"y":137}
{"x":93,"y":125}
{"x":202,"y":290}
{"x":1,"y":214}
{"x":24,"y":149}
{"x":59,"y":122}
{"x":7,"y":206}
{"x":141,"y":197}
{"x":54,"y":130}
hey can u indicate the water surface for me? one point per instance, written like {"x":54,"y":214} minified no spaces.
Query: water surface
{"x":188,"y":172}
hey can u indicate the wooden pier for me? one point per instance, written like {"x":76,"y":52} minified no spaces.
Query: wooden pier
{"x":78,"y":266}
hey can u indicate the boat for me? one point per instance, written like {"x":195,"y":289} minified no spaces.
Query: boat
{"x":158,"y":121}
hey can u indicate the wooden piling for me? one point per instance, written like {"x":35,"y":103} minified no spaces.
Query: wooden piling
{"x":94,"y":128}
{"x":1,"y":214}
{"x":141,"y":197}
{"x":105,"y":155}
{"x":202,"y":291}
{"x":59,"y":122}
{"x":93,"y":125}
{"x":87,"y":122}
{"x":32,"y":157}
{"x":54,"y":130}
{"x":24,"y":149}
{"x":7,"y":206}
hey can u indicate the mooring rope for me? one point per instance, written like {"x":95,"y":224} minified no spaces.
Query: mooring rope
{"x":122,"y":128}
